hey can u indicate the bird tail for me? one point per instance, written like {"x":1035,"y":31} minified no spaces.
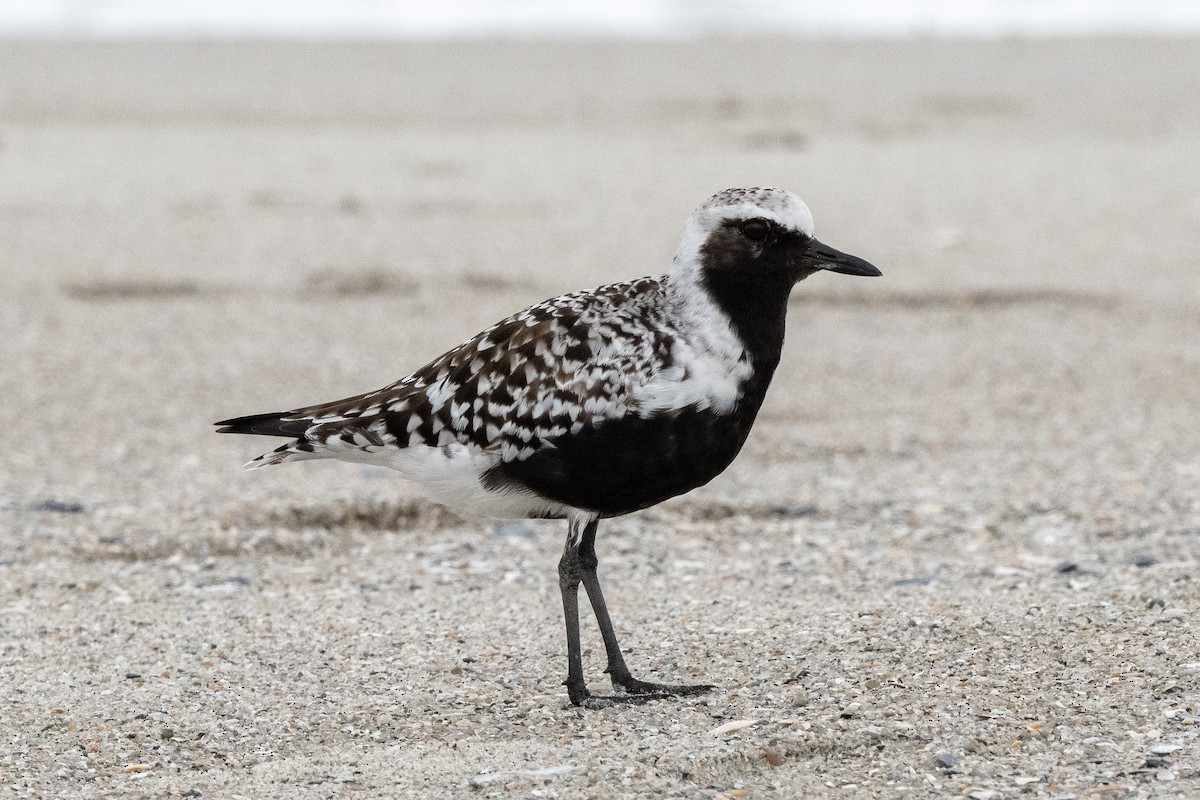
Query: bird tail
{"x":279,"y":423}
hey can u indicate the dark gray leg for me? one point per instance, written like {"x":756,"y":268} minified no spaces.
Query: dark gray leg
{"x":617,"y":670}
{"x":568,"y":585}
{"x":578,"y":565}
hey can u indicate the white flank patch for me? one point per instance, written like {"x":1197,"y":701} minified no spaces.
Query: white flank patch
{"x":450,"y":475}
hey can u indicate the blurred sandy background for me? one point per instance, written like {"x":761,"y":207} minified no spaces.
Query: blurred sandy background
{"x":958,"y":556}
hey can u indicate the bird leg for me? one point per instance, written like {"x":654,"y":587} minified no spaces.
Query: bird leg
{"x":617,"y":670}
{"x":578,"y":565}
{"x":568,"y":585}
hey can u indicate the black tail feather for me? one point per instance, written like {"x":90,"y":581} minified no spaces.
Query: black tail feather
{"x":265,"y":425}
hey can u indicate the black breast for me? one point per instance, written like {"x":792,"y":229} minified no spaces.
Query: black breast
{"x":632,"y":463}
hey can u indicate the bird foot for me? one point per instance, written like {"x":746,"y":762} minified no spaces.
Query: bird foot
{"x":630,"y":691}
{"x":609,"y":700}
{"x":636,"y":688}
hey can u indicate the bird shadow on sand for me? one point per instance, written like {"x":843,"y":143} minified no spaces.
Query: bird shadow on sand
{"x":302,"y":529}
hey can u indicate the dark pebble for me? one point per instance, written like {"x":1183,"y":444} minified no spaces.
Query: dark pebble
{"x":132,"y":675}
{"x":1154,"y":762}
{"x":1143,"y":560}
{"x":1156,"y":602}
{"x":913,"y":581}
{"x":232,"y":580}
{"x":793,"y":509}
{"x":192,"y":793}
{"x":58,"y":506}
{"x":947,"y":761}
{"x":1066,"y":567}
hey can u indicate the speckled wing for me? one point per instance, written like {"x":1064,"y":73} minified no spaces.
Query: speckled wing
{"x":554,"y":369}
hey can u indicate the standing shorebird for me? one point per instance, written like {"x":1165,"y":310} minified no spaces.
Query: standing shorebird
{"x":592,"y":404}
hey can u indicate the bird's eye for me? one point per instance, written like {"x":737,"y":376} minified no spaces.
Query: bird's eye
{"x":756,"y":230}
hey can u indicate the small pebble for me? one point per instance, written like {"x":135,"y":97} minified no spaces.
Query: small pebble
{"x":58,"y":506}
{"x":792,"y":509}
{"x":947,"y":761}
{"x":137,"y":768}
{"x":1169,"y":615}
{"x":485,"y":778}
{"x":734,"y":726}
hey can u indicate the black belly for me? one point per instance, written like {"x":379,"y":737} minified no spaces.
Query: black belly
{"x":630,"y":464}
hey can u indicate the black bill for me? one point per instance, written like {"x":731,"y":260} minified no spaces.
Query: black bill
{"x":822,"y":256}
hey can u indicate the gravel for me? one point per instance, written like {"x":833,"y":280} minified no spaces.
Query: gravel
{"x":958,"y":556}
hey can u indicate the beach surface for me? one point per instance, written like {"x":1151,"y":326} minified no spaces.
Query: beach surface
{"x":959,"y":555}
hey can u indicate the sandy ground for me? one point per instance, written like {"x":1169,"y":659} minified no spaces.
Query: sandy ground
{"x":958,"y":555}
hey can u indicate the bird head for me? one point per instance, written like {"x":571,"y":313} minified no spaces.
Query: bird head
{"x":762,"y":236}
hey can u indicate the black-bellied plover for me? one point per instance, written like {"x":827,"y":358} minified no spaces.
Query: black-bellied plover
{"x":592,"y":404}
